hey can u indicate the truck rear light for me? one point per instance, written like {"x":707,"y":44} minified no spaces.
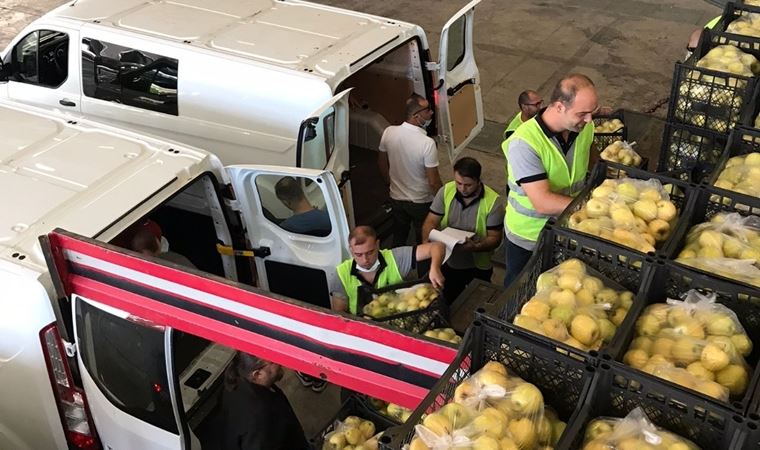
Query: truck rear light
{"x":71,"y":401}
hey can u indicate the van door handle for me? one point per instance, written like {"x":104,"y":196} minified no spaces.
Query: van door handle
{"x":66,"y":102}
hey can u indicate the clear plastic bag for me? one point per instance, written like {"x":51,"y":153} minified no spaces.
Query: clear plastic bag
{"x":746,"y":25}
{"x":696,"y":343}
{"x":419,"y":296}
{"x":635,"y":431}
{"x":492,"y":410}
{"x":631,"y":212}
{"x":622,"y":152}
{"x":741,"y":174}
{"x":729,"y":245}
{"x":574,"y":306}
{"x":352,"y":431}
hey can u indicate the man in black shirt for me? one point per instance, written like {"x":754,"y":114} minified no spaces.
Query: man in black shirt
{"x":256,"y":413}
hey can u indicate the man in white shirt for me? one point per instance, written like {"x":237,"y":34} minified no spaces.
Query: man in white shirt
{"x":408,"y":161}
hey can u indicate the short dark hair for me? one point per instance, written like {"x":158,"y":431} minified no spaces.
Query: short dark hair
{"x":567,"y":87}
{"x":361,"y":233}
{"x":413,"y":104}
{"x":145,"y":240}
{"x":524,"y":97}
{"x":468,"y":167}
{"x":288,"y":190}
{"x":241,"y":366}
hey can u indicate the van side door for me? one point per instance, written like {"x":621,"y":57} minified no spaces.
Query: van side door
{"x":125,"y":373}
{"x":323,"y":145}
{"x":43,"y":68}
{"x":297,"y":228}
{"x":460,"y":103}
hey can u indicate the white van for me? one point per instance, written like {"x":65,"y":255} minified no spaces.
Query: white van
{"x":75,"y":362}
{"x":247,"y":80}
{"x":98,"y":181}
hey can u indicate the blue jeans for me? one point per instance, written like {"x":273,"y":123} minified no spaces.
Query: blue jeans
{"x":516,"y":258}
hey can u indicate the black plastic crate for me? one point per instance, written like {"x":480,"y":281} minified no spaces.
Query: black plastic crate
{"x":617,"y":390}
{"x":417,"y":321}
{"x":749,"y":437}
{"x":680,"y":193}
{"x":707,"y":203}
{"x":720,"y":36}
{"x":671,"y":280}
{"x":690,"y":153}
{"x":353,"y":406}
{"x":556,"y":246}
{"x":563,"y":380}
{"x":602,"y":140}
{"x":706,"y":98}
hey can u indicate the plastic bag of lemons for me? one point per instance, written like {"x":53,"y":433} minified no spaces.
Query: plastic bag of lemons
{"x":634,"y":432}
{"x":696,"y":343}
{"x":631,"y":212}
{"x":491,"y":409}
{"x":573,"y":306}
{"x":729,"y":245}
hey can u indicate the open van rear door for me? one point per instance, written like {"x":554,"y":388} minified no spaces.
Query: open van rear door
{"x":459,"y":103}
{"x":323,"y":144}
{"x":296,"y":226}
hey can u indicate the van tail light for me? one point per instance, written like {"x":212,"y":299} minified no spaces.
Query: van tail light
{"x":435,"y":98}
{"x":71,"y":401}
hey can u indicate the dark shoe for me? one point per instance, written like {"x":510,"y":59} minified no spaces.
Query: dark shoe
{"x":318,"y":385}
{"x":306,"y":380}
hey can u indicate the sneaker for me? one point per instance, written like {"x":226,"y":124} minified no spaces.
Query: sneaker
{"x":318,"y":385}
{"x":306,"y":380}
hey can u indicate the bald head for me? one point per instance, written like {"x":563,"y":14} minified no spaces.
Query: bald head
{"x":572,"y":104}
{"x":362,"y":234}
{"x":567,"y":88}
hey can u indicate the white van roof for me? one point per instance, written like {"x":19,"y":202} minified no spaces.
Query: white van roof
{"x":80,"y":176}
{"x":292,"y":34}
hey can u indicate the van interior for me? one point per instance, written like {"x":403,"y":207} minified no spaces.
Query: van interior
{"x":380,"y":91}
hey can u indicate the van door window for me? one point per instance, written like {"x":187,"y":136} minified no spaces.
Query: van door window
{"x":318,"y":141}
{"x":457,"y":46}
{"x":294,"y":204}
{"x":41,"y":58}
{"x":127,"y":361}
{"x":133,"y":77}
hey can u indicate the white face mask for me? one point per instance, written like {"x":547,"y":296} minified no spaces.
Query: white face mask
{"x":371,"y":269}
{"x":427,"y":123}
{"x":164,"y":245}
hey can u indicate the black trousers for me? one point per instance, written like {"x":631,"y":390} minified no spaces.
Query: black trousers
{"x":408,"y":214}
{"x":516,"y":258}
{"x":458,"y":279}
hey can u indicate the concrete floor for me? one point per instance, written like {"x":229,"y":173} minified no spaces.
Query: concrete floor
{"x":627,"y":47}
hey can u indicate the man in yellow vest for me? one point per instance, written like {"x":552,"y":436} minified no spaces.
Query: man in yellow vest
{"x":467,"y":204}
{"x":378,"y":268}
{"x":696,"y":36}
{"x":547,"y":161}
{"x":529,"y":103}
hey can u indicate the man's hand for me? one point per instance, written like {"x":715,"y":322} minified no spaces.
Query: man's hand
{"x":470,"y":244}
{"x":338,"y":303}
{"x":436,"y":277}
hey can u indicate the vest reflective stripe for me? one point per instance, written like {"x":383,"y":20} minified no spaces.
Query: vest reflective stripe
{"x":482,"y":259}
{"x":521,"y":217}
{"x":388,"y":277}
{"x":515,"y":187}
{"x":525,"y":211}
{"x":513,"y":124}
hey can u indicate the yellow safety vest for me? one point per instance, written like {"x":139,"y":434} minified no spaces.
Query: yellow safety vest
{"x":482,"y":259}
{"x":387,"y":277}
{"x":521,"y":218}
{"x":513,"y":124}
